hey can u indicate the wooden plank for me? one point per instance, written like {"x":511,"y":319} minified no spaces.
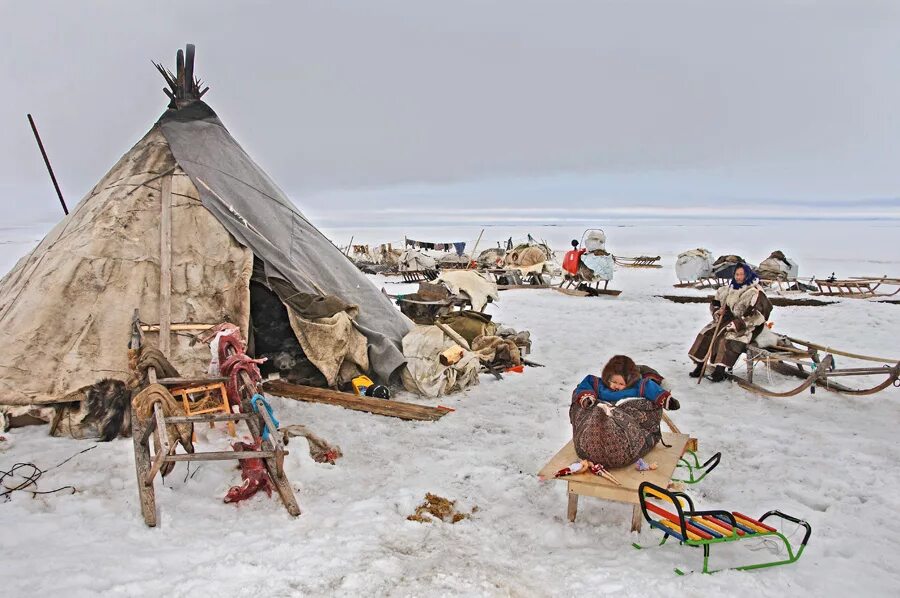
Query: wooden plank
{"x":221,"y":456}
{"x":577,"y":293}
{"x":146,"y":429}
{"x":588,"y":484}
{"x":668,"y":421}
{"x":776,"y":301}
{"x":202,"y":419}
{"x":165,"y":446}
{"x":173,"y":327}
{"x":165,"y":268}
{"x":407,"y":411}
{"x":513,"y":287}
{"x":279,"y":478}
{"x":454,"y":335}
{"x":189,"y":381}
{"x":275,"y":439}
{"x":142,"y":468}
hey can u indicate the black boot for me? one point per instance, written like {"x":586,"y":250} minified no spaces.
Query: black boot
{"x":697,"y":370}
{"x":718,"y":374}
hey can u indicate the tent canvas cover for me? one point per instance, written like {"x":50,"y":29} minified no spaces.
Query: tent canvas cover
{"x":66,"y":307}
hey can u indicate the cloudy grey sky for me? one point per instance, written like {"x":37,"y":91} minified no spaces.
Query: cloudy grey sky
{"x":654,"y":102}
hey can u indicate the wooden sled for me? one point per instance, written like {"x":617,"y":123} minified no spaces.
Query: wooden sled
{"x":674,"y":514}
{"x":643,"y":261}
{"x":148,"y":464}
{"x":783,"y":286}
{"x":707,"y":282}
{"x":801,"y":359}
{"x":776,"y":300}
{"x":507,"y":279}
{"x":578,"y":287}
{"x":855,"y":288}
{"x":419,"y":275}
{"x":586,"y":484}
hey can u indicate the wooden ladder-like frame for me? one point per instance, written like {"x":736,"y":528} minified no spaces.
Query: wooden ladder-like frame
{"x":148,"y":465}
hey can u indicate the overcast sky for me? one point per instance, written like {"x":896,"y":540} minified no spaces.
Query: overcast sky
{"x":659,"y":102}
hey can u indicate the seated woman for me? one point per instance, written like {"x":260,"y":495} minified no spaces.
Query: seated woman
{"x":743,"y":309}
{"x":615,"y":417}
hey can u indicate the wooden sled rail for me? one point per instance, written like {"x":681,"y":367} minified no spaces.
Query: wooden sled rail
{"x":642,"y":261}
{"x":834,"y":351}
{"x":819,"y":377}
{"x":855,"y":288}
{"x":390,"y":408}
{"x":775,"y":300}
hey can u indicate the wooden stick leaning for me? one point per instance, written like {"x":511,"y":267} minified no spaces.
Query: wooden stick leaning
{"x":474,"y":257}
{"x":712,"y":345}
{"x":454,"y":335}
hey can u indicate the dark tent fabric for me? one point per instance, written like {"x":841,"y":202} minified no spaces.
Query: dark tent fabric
{"x":259,"y":215}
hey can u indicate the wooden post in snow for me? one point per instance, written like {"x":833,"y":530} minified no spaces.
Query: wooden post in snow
{"x":165,"y":267}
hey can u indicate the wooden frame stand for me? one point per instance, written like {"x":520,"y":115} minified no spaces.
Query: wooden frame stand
{"x":587,"y":484}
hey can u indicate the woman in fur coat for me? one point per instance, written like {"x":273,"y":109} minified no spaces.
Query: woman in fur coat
{"x":743,"y":309}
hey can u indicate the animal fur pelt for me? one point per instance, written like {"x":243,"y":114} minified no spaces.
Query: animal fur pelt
{"x":178,"y":433}
{"x":102,"y":410}
{"x":319,"y":448}
{"x":108,"y":403}
{"x":494,"y":350}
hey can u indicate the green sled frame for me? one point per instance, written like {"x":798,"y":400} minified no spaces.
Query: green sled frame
{"x":706,"y":528}
{"x":691,"y":463}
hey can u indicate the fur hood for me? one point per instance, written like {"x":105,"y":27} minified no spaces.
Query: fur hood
{"x":623,"y":366}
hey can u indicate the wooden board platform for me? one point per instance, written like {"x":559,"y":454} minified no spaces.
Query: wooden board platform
{"x":578,"y":293}
{"x":390,"y":408}
{"x":775,"y":300}
{"x":513,"y":287}
{"x":587,"y":484}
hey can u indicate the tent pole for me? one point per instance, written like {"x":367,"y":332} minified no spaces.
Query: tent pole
{"x":165,"y":267}
{"x":474,"y":255}
{"x":47,"y":162}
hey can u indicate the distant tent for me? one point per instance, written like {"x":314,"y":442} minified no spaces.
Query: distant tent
{"x":240,"y":251}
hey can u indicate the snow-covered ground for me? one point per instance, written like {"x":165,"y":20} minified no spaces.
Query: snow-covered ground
{"x":826,"y":458}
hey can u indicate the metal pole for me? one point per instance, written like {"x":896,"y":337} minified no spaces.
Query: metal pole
{"x":47,"y":162}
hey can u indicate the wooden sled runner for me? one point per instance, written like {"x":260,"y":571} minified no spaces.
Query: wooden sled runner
{"x":706,"y":528}
{"x":801,"y":359}
{"x":577,"y":287}
{"x":643,"y":261}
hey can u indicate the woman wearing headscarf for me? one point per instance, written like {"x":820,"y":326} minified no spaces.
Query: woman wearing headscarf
{"x":743,"y":308}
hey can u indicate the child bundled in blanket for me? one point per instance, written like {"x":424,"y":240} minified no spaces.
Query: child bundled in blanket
{"x":623,"y":379}
{"x":615,"y":417}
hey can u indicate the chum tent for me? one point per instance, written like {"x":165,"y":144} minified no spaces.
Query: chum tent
{"x":66,"y":307}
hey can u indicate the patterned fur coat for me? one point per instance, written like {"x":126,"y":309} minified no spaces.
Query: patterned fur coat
{"x":749,"y":307}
